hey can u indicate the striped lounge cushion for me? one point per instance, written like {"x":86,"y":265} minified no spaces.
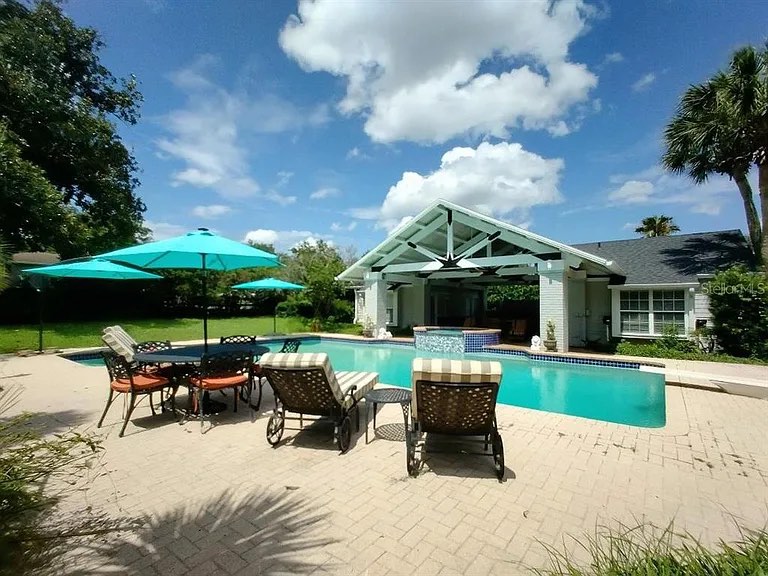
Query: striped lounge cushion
{"x":459,"y":371}
{"x":119,"y":341}
{"x":339,"y":382}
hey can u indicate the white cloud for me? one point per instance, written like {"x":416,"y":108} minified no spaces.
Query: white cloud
{"x":427,"y":72}
{"x":613,"y":58}
{"x":212,"y":211}
{"x":644,"y":82}
{"x":283,"y":177}
{"x":659,"y":188}
{"x":163,"y":230}
{"x":356,"y":153}
{"x":632,"y":192}
{"x":498,"y":179}
{"x":210,"y":134}
{"x":285,"y":239}
{"x":336,"y":227}
{"x":324,"y":193}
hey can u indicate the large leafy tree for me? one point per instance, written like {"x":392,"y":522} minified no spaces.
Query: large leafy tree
{"x":315,"y":266}
{"x":657,"y":226}
{"x":721,"y":127}
{"x":59,"y":147}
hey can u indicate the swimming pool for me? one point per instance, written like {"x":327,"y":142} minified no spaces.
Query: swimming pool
{"x":621,"y":395}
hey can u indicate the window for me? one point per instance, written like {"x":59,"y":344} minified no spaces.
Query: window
{"x":669,"y":311}
{"x":652,"y":311}
{"x":634,"y":312}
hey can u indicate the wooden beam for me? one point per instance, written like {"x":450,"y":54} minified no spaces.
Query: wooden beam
{"x":506,"y":235}
{"x":403,"y":247}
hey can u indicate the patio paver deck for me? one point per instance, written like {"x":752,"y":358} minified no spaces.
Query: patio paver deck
{"x":226,"y":502}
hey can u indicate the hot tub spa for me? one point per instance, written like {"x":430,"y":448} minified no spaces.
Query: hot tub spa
{"x":447,"y":340}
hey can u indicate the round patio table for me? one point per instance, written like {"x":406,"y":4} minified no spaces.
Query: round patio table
{"x":389,"y":395}
{"x":193,"y":354}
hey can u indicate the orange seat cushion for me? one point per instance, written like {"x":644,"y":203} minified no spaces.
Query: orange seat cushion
{"x":141,"y":381}
{"x":221,"y":382}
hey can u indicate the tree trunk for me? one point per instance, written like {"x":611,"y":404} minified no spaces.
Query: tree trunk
{"x":753,"y":220}
{"x":762,"y":185}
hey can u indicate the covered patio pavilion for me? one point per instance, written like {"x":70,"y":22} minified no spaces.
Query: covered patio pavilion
{"x":436,"y":268}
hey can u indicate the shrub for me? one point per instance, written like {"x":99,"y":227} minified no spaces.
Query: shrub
{"x":343,"y":311}
{"x":30,"y":534}
{"x":738,"y":301}
{"x":645,"y":550}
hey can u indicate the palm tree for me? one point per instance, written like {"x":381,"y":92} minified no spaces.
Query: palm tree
{"x":721,"y":127}
{"x":657,"y":226}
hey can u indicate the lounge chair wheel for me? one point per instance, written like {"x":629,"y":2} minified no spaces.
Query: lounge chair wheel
{"x":410,"y":454}
{"x":498,"y":455}
{"x":275,"y":428}
{"x":345,"y":434}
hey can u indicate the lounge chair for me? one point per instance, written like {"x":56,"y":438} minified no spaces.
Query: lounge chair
{"x":119,"y":341}
{"x":306,"y":384}
{"x":458,"y":398}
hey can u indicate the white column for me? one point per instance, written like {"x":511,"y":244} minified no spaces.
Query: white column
{"x":376,"y":299}
{"x":553,"y":301}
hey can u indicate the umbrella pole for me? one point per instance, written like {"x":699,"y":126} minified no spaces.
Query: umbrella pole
{"x":40,"y":301}
{"x":274,"y":321}
{"x":205,"y":306}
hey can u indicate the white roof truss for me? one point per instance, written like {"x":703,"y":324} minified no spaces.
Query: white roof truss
{"x":449,"y":241}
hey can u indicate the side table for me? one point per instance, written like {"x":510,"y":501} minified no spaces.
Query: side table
{"x":378,"y":396}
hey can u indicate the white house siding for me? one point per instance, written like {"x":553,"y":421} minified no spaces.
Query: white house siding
{"x":412,"y":304}
{"x":553,"y":301}
{"x":577,"y":308}
{"x":701,"y":306}
{"x":599,"y":305}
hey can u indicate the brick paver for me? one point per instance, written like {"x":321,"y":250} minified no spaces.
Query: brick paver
{"x":226,"y":502}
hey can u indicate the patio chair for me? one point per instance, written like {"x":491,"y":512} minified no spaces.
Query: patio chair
{"x":222,"y":370}
{"x":165,"y":370}
{"x":126,"y":378}
{"x":246,"y":394}
{"x":306,"y":384}
{"x":457,"y":398}
{"x":290,"y":346}
{"x":237,"y":339}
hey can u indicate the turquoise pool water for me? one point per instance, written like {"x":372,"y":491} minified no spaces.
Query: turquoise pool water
{"x":620,"y":395}
{"x":617,"y":395}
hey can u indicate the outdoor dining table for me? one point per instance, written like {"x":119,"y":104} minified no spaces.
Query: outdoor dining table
{"x":193,"y":354}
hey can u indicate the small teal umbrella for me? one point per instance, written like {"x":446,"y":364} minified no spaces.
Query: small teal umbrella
{"x":197,"y":250}
{"x":269,"y":284}
{"x":83,"y":268}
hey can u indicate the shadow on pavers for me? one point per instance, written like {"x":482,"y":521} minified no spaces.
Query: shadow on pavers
{"x":451,"y":456}
{"x":246,"y":530}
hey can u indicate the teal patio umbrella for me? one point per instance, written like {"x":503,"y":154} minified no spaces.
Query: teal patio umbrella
{"x":269,"y":284}
{"x":198,"y":250}
{"x":94,"y":268}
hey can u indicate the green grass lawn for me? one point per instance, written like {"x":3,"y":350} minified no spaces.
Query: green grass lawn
{"x":88,"y":334}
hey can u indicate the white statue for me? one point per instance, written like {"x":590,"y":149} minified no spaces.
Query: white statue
{"x":535,"y":343}
{"x":384,"y":334}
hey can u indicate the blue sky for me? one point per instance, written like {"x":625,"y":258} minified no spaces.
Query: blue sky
{"x":342,"y":123}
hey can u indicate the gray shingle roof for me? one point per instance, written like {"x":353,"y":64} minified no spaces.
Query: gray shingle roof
{"x":673,"y":259}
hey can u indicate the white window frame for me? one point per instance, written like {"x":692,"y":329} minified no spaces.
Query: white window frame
{"x":688,"y":295}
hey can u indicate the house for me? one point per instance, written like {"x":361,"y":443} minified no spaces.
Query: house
{"x":436,"y":268}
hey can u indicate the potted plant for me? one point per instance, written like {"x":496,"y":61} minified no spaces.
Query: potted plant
{"x":368,"y":327}
{"x":550,"y":342}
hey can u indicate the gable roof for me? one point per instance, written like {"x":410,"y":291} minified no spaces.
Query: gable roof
{"x":674,"y":259}
{"x":427,"y":229}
